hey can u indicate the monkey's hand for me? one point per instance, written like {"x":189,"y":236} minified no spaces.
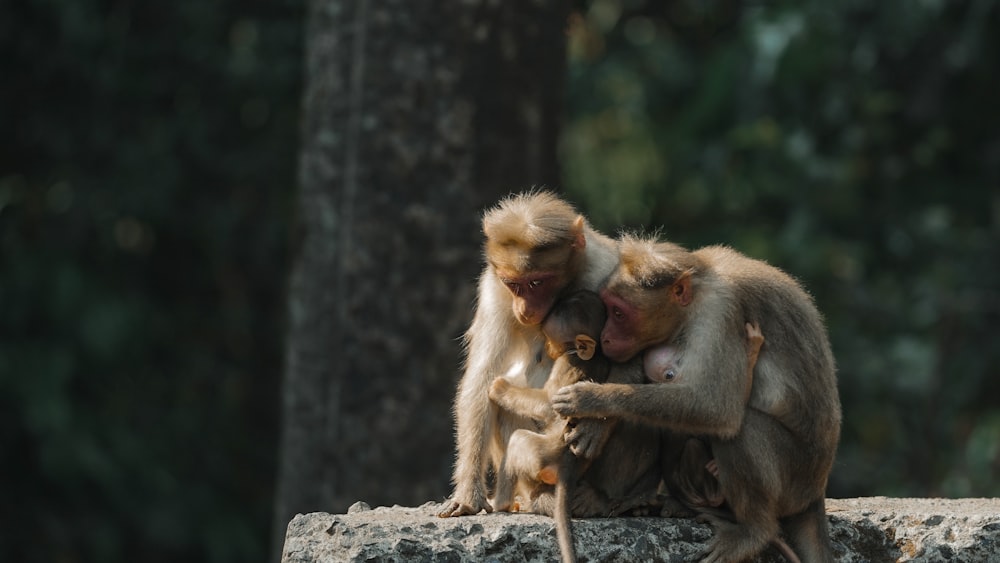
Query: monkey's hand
{"x":580,"y":400}
{"x":586,"y":436}
{"x":499,"y":388}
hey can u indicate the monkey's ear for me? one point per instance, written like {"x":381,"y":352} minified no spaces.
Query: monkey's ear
{"x":579,"y":240}
{"x":585,"y":346}
{"x":681,"y":291}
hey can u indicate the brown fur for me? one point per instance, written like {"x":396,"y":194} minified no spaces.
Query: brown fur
{"x":774,"y":440}
{"x":526,"y":235}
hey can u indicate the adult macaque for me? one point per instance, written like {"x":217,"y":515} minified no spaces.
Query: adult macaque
{"x":773,"y":439}
{"x":535,"y":459}
{"x":537,"y":248}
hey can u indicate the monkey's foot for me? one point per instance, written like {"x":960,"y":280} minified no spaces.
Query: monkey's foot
{"x":736,"y":542}
{"x":673,"y":508}
{"x":641,"y":504}
{"x":453,"y":508}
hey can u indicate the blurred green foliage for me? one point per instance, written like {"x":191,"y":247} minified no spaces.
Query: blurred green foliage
{"x":146,"y":174}
{"x":857,"y":146}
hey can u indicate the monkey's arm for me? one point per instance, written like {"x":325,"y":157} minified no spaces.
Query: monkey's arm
{"x":710,"y":399}
{"x":522,"y":401}
{"x":488,"y":342}
{"x":681,"y":407}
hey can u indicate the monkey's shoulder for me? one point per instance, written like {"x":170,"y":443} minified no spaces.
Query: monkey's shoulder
{"x":742,"y":269}
{"x":569,"y":369}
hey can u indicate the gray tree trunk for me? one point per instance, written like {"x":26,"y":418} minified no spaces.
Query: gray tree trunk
{"x":416,"y":115}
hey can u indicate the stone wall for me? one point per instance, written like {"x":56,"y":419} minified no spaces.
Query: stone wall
{"x":863,"y":530}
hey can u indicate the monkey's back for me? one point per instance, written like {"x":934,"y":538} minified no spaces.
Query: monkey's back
{"x":795,"y":376}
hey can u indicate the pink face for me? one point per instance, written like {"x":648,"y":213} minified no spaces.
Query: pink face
{"x":618,"y":340}
{"x":534,"y":296}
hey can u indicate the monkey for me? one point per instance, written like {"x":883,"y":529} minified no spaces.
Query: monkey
{"x":572,"y":330}
{"x":773,"y":439}
{"x":537,"y":248}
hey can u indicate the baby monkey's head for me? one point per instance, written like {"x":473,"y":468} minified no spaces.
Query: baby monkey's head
{"x":574,"y":325}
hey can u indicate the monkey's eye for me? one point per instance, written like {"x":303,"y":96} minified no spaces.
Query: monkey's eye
{"x":669,"y":375}
{"x":535,"y":283}
{"x":619,"y":315}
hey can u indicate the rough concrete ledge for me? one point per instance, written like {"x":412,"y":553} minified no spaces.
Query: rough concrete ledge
{"x":863,"y":529}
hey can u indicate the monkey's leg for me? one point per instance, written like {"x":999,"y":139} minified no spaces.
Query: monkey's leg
{"x":509,"y":454}
{"x":753,"y":479}
{"x":503,"y":499}
{"x":809,"y":533}
{"x":742,"y":539}
{"x":530,"y":455}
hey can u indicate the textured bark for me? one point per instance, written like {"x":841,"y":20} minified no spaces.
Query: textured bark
{"x":416,"y":115}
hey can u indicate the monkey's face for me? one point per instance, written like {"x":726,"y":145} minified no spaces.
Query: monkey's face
{"x":620,"y":339}
{"x":534,"y":277}
{"x":637,"y":319}
{"x":534,"y":246}
{"x":533,"y":294}
{"x":646,"y":299}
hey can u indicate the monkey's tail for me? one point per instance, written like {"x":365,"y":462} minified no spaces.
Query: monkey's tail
{"x":564,"y":492}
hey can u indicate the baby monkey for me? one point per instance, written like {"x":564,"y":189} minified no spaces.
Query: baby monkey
{"x":535,"y":460}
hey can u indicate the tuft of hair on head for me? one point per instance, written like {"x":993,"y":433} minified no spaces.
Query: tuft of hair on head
{"x":536,"y":218}
{"x":653,"y":264}
{"x":583,"y":309}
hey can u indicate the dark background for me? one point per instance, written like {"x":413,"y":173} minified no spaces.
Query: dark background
{"x":147,"y":174}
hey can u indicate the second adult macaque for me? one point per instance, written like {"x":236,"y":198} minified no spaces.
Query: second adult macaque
{"x":537,"y":459}
{"x":773,"y":439}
